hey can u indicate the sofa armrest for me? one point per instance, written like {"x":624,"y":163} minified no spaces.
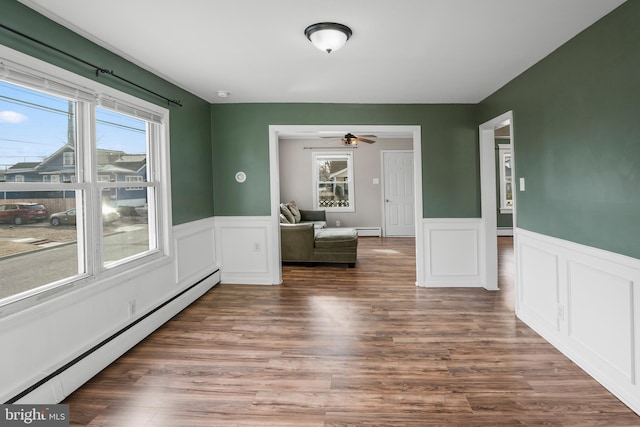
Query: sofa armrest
{"x":297,"y":242}
{"x":313,"y":216}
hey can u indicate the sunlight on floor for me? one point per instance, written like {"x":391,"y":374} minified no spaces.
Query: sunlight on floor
{"x":385,"y":251}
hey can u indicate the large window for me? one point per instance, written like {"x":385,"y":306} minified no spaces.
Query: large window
{"x":82,"y":183}
{"x":333,"y":182}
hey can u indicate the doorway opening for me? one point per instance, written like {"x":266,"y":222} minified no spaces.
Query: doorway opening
{"x":489,"y":193}
{"x":305,"y":131}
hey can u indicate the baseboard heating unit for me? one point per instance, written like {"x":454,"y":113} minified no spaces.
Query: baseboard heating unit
{"x":369,"y":231}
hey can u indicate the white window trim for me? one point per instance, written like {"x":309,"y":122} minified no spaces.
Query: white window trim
{"x":315,"y":155}
{"x":65,"y":83}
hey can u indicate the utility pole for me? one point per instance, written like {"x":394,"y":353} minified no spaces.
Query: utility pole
{"x":71,"y":125}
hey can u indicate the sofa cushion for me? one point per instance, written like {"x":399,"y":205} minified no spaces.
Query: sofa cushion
{"x":336,"y":238}
{"x":312,"y":216}
{"x":293,"y":208}
{"x":284,"y":210}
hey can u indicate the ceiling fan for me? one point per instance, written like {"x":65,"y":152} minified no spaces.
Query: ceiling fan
{"x":351,"y":139}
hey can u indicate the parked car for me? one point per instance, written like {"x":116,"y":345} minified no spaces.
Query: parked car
{"x":69,"y":216}
{"x":66,"y":217}
{"x":19,"y":213}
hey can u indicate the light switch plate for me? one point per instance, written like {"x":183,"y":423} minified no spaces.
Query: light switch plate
{"x":521,"y":184}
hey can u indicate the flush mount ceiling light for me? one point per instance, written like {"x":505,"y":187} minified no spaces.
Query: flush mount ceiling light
{"x":328,"y":36}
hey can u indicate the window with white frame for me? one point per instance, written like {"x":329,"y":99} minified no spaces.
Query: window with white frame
{"x":119,"y":222}
{"x":134,"y":178}
{"x":68,"y":158}
{"x":506,"y":184}
{"x":333,"y":188}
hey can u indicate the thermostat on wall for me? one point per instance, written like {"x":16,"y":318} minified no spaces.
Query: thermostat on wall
{"x":241,"y":176}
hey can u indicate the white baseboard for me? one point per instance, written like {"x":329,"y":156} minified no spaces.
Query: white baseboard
{"x":586,"y":302}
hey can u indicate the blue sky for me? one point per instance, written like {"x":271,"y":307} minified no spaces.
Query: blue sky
{"x":33,"y":125}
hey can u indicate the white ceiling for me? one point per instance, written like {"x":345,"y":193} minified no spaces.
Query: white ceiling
{"x":402,"y":51}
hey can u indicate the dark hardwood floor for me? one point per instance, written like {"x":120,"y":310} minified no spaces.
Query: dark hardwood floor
{"x":336,"y":346}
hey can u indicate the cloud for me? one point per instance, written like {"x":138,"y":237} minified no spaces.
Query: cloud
{"x":11,"y":117}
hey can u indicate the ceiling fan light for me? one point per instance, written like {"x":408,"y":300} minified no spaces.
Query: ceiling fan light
{"x":328,"y":36}
{"x":350,"y":139}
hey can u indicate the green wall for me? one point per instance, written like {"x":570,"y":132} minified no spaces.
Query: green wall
{"x":449,"y":151}
{"x":577,"y":136}
{"x":190,"y":125}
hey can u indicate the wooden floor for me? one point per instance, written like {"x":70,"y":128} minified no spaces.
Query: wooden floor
{"x":335,"y":346}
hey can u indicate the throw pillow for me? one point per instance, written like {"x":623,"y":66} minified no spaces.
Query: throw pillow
{"x":283,"y":219}
{"x":293,"y":208}
{"x":284,"y":210}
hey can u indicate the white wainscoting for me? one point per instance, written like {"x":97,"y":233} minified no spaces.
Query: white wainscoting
{"x":452,"y":252}
{"x":244,"y":247}
{"x":586,"y":302}
{"x":194,"y":243}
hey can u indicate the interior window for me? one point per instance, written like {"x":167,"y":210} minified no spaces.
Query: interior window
{"x":333,"y":181}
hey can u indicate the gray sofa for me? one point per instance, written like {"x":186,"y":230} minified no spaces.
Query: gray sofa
{"x":307,"y":239}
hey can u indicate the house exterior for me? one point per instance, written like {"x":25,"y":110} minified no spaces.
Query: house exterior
{"x":575,"y":129}
{"x":20,"y":172}
{"x":113,"y":166}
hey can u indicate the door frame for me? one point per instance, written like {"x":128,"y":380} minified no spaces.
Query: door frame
{"x":488,"y":223}
{"x":275,"y":131}
{"x":383,"y":186}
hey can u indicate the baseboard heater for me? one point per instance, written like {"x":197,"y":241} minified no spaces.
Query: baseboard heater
{"x":105,"y":341}
{"x":369,"y":231}
{"x":505,"y":231}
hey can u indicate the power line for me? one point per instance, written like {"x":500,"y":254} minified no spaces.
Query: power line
{"x":33,"y":105}
{"x":25,"y":142}
{"x":66,"y":113}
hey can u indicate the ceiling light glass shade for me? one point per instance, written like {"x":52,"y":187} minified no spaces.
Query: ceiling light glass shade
{"x":328,"y":36}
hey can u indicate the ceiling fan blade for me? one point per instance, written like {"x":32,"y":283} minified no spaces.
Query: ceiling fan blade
{"x":368,"y":141}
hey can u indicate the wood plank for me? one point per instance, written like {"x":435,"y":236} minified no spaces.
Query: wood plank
{"x":337,"y":346}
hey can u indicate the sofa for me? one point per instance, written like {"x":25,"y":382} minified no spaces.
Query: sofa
{"x":304,"y":237}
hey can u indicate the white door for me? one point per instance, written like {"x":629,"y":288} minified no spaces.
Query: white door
{"x":398,"y":193}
